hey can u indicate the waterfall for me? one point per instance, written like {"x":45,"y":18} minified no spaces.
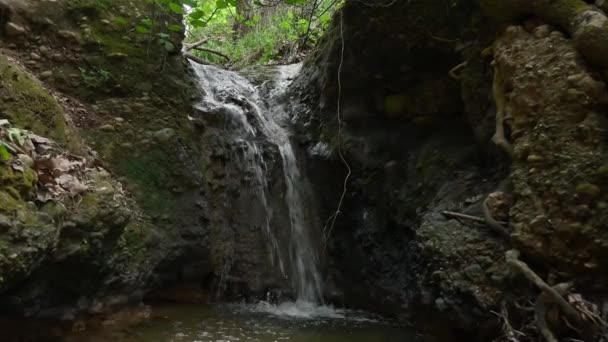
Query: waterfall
{"x":253,"y":117}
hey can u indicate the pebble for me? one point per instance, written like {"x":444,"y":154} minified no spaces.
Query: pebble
{"x":35,"y":56}
{"x":5,"y":223}
{"x":44,"y":50}
{"x":107,"y":128}
{"x":46,"y":74}
{"x":164,"y":134}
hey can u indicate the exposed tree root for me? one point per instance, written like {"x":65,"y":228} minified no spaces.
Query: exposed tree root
{"x":510,"y":334}
{"x":496,"y":226}
{"x":498,"y":92}
{"x":552,"y":293}
{"x":540,"y":310}
{"x":587,"y":25}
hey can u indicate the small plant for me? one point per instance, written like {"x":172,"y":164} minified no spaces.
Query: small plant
{"x":95,"y":77}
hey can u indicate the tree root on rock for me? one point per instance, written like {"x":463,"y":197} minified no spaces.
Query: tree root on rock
{"x":550,"y":294}
{"x":554,"y":295}
{"x":540,"y":311}
{"x":496,"y":226}
{"x":498,"y":92}
{"x":587,"y":25}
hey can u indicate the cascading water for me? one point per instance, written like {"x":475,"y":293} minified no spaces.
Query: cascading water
{"x":252,"y":118}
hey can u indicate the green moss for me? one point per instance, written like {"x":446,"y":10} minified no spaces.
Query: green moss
{"x":27,"y":104}
{"x":588,"y":191}
{"x":562,"y":13}
{"x":151,"y":173}
{"x":87,"y":7}
{"x":559,"y":12}
{"x":16,"y":182}
{"x":602,"y":171}
{"x":501,"y":11}
{"x":8,"y":202}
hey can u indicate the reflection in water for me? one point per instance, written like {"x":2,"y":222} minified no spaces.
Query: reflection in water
{"x":261,"y":323}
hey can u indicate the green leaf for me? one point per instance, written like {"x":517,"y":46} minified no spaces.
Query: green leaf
{"x":147,"y":22}
{"x":17,"y":135}
{"x":168,"y":45}
{"x":142,"y":29}
{"x":197,"y":23}
{"x":196,"y":14}
{"x":5,"y":155}
{"x":175,"y":28}
{"x":121,"y":21}
{"x":221,"y":4}
{"x":176,"y":8}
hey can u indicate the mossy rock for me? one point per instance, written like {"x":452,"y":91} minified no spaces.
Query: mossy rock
{"x":28,"y":105}
{"x":17,"y":183}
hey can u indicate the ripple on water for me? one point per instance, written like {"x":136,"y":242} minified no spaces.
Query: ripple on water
{"x":262,"y":322}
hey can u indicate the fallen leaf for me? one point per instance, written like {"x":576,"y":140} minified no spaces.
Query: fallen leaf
{"x":17,"y":166}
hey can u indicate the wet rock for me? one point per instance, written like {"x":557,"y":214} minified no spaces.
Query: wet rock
{"x":46,"y":74}
{"x":70,"y":35}
{"x":588,"y":191}
{"x":107,"y":128}
{"x":34,"y":56}
{"x":164,"y":134}
{"x":5,"y":223}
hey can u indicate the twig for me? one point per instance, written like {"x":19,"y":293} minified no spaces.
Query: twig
{"x":457,"y":68}
{"x":510,"y":333}
{"x":453,"y":214}
{"x":189,"y":47}
{"x":213,"y":52}
{"x":312,"y":13}
{"x":196,"y":59}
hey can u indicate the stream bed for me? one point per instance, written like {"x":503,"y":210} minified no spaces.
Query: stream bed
{"x":261,"y":323}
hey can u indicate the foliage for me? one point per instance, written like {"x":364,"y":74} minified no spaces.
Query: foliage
{"x":5,"y":155}
{"x":269,"y":33}
{"x":95,"y":77}
{"x":265,"y":30}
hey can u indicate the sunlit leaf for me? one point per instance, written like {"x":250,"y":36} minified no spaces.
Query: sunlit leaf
{"x":175,"y":28}
{"x":176,"y":8}
{"x":121,"y":21}
{"x":146,"y":22}
{"x":5,"y":155}
{"x":196,"y":14}
{"x":142,"y":29}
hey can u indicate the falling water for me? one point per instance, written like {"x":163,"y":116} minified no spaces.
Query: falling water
{"x":303,"y":258}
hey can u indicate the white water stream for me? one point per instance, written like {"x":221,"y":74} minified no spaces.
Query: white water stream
{"x":229,"y":90}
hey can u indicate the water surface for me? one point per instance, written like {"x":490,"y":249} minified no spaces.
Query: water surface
{"x":261,"y":323}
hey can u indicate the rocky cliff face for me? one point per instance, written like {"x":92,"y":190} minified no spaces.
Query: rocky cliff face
{"x":472,"y":108}
{"x":420,"y":138}
{"x":128,"y":98}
